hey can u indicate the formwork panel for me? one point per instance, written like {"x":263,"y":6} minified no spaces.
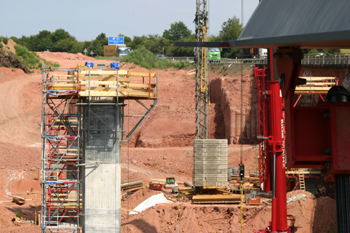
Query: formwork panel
{"x":210,"y":162}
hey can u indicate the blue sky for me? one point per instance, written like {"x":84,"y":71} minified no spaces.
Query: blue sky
{"x":86,"y":19}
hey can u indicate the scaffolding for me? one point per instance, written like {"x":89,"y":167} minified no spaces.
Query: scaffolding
{"x":261,"y":78}
{"x":65,"y":94}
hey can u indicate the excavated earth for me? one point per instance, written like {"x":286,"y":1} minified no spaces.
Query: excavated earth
{"x":161,"y":147}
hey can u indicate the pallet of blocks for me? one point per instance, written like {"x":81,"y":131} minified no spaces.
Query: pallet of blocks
{"x":107,"y":83}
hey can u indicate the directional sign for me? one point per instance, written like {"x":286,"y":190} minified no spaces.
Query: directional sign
{"x":115,"y":40}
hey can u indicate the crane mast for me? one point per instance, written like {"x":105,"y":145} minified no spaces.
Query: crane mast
{"x":202,"y":88}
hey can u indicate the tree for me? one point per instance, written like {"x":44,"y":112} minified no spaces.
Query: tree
{"x":177,"y":31}
{"x":230,"y":30}
{"x":60,"y":34}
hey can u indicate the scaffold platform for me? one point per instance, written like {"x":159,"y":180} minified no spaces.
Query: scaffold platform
{"x":65,"y":92}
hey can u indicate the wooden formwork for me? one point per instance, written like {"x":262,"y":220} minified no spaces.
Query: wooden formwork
{"x":107,"y":83}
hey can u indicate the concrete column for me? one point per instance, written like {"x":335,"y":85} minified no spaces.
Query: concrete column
{"x":101,"y":170}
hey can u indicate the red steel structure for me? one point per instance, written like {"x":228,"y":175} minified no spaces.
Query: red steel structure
{"x":271,"y":150}
{"x":261,"y":78}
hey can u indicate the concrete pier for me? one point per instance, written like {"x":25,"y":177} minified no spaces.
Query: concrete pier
{"x":101,"y":169}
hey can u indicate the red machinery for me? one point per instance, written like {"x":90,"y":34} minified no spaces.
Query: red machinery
{"x":317,"y":137}
{"x":271,"y":148}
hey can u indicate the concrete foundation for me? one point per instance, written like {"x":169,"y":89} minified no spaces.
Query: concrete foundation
{"x":101,"y":169}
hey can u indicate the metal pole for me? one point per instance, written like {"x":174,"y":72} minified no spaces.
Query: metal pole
{"x":274,"y":177}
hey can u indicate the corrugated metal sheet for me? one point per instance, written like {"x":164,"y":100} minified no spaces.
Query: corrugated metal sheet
{"x":297,"y":23}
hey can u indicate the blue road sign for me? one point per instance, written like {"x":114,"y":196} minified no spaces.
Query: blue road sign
{"x":115,"y":40}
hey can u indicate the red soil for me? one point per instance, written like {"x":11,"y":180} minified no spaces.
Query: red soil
{"x":161,"y":147}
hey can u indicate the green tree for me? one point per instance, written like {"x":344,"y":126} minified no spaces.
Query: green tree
{"x":60,"y":34}
{"x":177,"y":31}
{"x":230,"y":30}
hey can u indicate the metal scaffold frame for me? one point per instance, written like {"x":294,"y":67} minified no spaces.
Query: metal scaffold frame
{"x":202,"y":88}
{"x":261,"y":78}
{"x":61,"y":154}
{"x":66,"y":94}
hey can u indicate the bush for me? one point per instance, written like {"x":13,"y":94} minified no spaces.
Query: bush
{"x":5,"y":40}
{"x":1,"y":46}
{"x":148,"y":60}
{"x":31,"y":59}
{"x":10,"y":53}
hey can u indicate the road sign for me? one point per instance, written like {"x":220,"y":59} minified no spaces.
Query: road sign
{"x":115,"y":40}
{"x":91,"y":53}
{"x":85,"y":51}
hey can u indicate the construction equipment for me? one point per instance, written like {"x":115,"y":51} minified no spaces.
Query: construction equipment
{"x":271,"y":137}
{"x":202,"y":89}
{"x":119,"y":50}
{"x":78,"y":104}
{"x":214,"y":54}
{"x":326,"y":124}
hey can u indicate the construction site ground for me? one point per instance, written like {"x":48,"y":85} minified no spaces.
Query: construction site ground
{"x":160,"y":148}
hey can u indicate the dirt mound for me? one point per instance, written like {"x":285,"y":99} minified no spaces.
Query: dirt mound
{"x":10,"y":46}
{"x":11,"y":61}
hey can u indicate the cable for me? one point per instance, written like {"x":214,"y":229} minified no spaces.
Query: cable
{"x":128,"y":159}
{"x":241,"y":166}
{"x":241,"y":186}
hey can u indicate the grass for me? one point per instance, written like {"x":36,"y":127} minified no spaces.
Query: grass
{"x":146,"y":59}
{"x":31,"y":59}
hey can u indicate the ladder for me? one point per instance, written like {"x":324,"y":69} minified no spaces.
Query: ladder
{"x":302,"y":181}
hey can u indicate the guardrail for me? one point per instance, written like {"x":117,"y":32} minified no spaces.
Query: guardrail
{"x":333,"y":60}
{"x":223,"y":60}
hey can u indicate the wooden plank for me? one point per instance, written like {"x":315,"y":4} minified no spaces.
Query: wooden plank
{"x":317,"y":84}
{"x":141,"y":74}
{"x":311,"y":92}
{"x":124,"y":93}
{"x":318,"y":78}
{"x":302,"y":172}
{"x":216,"y":197}
{"x":312,"y":88}
{"x":108,"y":78}
{"x":121,"y":86}
{"x":104,"y":72}
{"x":64,"y":75}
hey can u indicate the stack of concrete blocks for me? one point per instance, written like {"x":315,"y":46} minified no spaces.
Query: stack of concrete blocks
{"x":210,"y":162}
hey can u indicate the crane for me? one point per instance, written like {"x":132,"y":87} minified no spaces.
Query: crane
{"x":202,"y":88}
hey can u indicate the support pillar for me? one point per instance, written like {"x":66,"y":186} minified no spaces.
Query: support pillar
{"x":101,"y":169}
